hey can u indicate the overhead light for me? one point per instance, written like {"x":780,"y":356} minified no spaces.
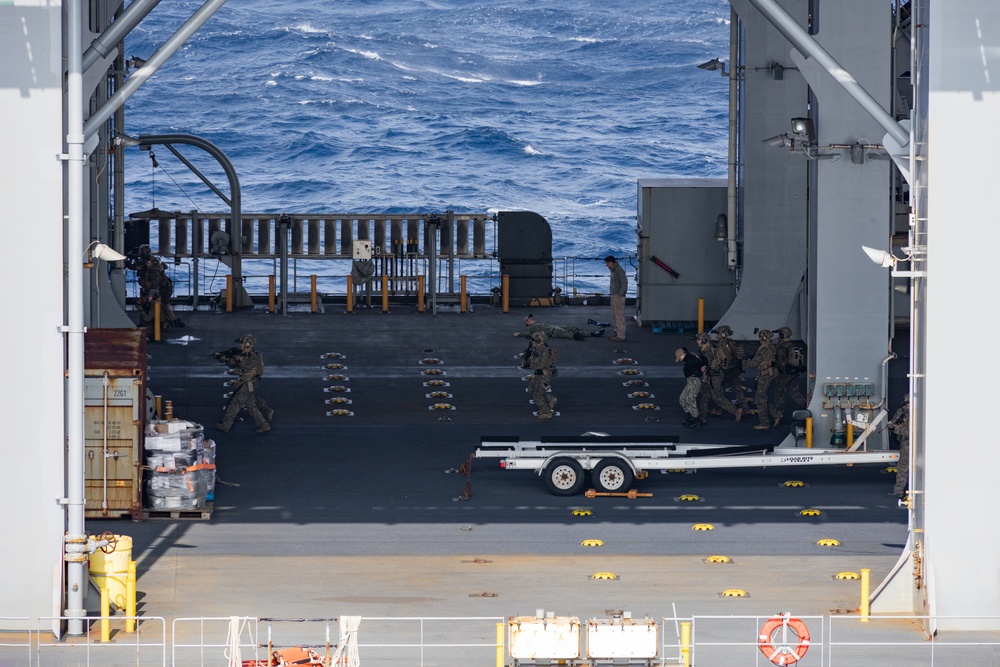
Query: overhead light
{"x":125,"y":140}
{"x":780,"y":140}
{"x":98,"y":250}
{"x":883,"y":258}
{"x":776,"y":70}
{"x":804,"y":127}
{"x":721,"y":227}
{"x":714,"y":64}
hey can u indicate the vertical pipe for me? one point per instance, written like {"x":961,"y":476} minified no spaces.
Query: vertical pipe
{"x":809,"y":431}
{"x":686,"y":643}
{"x":229,"y":293}
{"x":505,"y":289}
{"x":865,"y":586}
{"x":75,"y":528}
{"x":385,"y":293}
{"x":500,"y":638}
{"x":462,"y":295}
{"x":270,"y":294}
{"x":130,"y":597}
{"x":701,"y":314}
{"x":105,"y":614}
{"x":350,"y":293}
{"x":420,"y":294}
{"x":312,"y":292}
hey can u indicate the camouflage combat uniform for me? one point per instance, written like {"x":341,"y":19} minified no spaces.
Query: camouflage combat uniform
{"x":556,"y":331}
{"x":542,"y":362}
{"x":787,"y":383}
{"x":730,"y":364}
{"x":900,"y":426}
{"x":712,"y":390}
{"x":250,"y":366}
{"x":763,"y":361}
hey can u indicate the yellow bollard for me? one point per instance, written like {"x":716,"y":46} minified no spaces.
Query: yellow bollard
{"x":156,"y":320}
{"x":500,"y":660}
{"x":158,"y":402}
{"x":130,"y":597}
{"x":701,"y":314}
{"x":462,"y":294}
{"x":809,"y":431}
{"x":270,"y":294}
{"x":312,"y":293}
{"x":420,"y":294}
{"x":850,"y":434}
{"x":865,"y":586}
{"x":505,"y":288}
{"x":105,"y":615}
{"x":385,"y":293}
{"x":350,"y":294}
{"x":686,"y":643}
{"x":229,"y":293}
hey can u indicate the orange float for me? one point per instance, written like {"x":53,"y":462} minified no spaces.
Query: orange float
{"x":783,"y":654}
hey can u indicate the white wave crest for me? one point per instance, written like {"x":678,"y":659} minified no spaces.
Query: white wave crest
{"x":307,"y":28}
{"x":524,"y":82}
{"x":270,"y":83}
{"x":531,"y":150}
{"x":371,"y":55}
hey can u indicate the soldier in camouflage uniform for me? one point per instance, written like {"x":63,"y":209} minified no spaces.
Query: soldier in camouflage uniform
{"x":694,"y":375}
{"x":763,"y":361}
{"x":787,"y":383}
{"x":556,"y":330}
{"x":731,"y":364}
{"x":250,"y":365}
{"x":900,"y":426}
{"x":542,"y":362}
{"x":712,"y":390}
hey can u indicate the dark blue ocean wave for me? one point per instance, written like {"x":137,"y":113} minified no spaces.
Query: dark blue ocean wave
{"x":403,"y":106}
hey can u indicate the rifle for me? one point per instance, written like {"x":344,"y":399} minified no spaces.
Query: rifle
{"x":231,"y":355}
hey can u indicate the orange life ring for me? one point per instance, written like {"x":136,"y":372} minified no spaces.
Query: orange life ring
{"x":784,"y":654}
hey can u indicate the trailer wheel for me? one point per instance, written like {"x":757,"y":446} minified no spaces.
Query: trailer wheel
{"x":610,"y":475}
{"x":564,"y":476}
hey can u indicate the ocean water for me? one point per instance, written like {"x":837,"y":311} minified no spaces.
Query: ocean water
{"x":428,"y":105}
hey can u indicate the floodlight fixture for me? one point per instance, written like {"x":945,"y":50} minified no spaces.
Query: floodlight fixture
{"x":714,"y":64}
{"x":135,"y":62}
{"x":97,"y":250}
{"x":804,"y":127}
{"x":883,"y":258}
{"x":125,"y":140}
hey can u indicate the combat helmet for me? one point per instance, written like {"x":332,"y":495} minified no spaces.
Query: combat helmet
{"x":538,"y":337}
{"x":724,"y":330}
{"x":702,"y":338}
{"x":785,"y":332}
{"x":764,"y":334}
{"x":247,"y":341}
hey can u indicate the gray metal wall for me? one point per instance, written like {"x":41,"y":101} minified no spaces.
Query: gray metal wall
{"x":962,"y":456}
{"x":773,"y":183}
{"x":32,"y":353}
{"x":676,"y":224}
{"x":849,"y":294}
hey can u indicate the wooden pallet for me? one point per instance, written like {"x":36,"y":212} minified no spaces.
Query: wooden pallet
{"x":204,"y":513}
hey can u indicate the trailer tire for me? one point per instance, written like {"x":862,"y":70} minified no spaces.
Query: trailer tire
{"x":612,"y":475}
{"x":564,"y":476}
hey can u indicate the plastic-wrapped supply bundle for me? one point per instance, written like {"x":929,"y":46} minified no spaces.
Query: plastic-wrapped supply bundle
{"x":174,"y":436}
{"x":182,"y":467}
{"x":160,"y":461}
{"x":185,"y":489}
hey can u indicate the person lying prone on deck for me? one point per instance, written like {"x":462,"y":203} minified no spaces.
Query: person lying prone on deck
{"x":556,"y":330}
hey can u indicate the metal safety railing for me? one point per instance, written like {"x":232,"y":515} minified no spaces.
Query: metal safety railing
{"x":322,"y":245}
{"x":469,"y":641}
